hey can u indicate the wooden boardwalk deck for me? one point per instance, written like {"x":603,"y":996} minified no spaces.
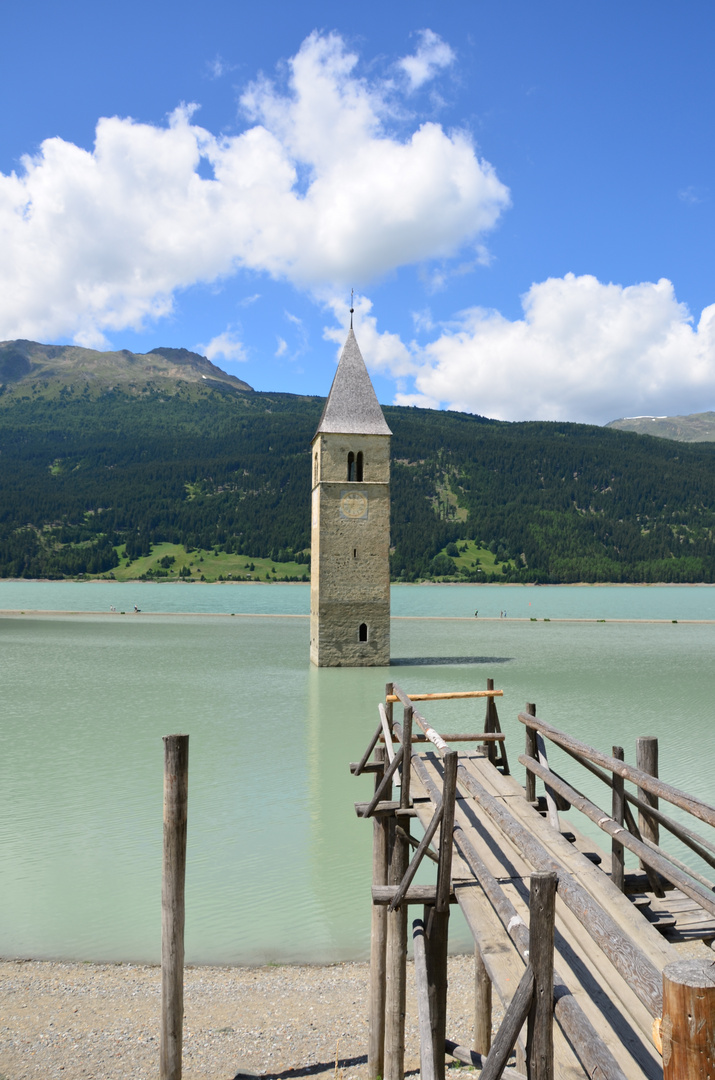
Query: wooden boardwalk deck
{"x":609,"y":952}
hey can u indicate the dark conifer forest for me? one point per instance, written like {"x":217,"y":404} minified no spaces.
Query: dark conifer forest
{"x":85,"y":474}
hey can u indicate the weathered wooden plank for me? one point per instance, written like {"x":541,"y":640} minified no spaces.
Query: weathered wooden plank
{"x":603,"y":927}
{"x":416,"y":894}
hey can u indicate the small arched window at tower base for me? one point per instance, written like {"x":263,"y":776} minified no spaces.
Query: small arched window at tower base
{"x":362,"y":632}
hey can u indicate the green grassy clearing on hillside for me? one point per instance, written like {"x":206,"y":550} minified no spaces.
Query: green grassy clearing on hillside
{"x":204,"y":565}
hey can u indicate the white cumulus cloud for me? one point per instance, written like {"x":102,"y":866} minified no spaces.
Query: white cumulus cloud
{"x":583,"y":351}
{"x":316,"y":190}
{"x":432,"y":54}
{"x":225,"y":346}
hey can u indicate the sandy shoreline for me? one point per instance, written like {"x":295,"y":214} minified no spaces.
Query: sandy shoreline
{"x":96,"y":1021}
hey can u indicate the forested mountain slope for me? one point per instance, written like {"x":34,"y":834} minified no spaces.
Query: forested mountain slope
{"x":85,"y":474}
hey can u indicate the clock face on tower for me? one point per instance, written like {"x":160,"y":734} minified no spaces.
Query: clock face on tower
{"x":353,"y":505}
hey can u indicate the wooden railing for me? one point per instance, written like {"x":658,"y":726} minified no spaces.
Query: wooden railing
{"x":641,"y":838}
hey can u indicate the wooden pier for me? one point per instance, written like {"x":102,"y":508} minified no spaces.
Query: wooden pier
{"x":581,"y":952}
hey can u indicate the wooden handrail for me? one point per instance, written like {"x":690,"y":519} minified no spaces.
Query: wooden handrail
{"x":697,"y":807}
{"x":658,"y":859}
{"x":445,"y":697}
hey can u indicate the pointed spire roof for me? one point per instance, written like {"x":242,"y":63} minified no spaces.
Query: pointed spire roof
{"x":352,"y":407}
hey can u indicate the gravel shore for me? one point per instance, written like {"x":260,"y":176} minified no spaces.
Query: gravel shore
{"x":78,"y":1020}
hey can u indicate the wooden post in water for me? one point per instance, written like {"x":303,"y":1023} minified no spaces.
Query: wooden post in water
{"x":618,"y":808}
{"x":647,"y":761}
{"x":396,"y":961}
{"x":482,"y":1005}
{"x":540,"y":1028}
{"x":530,"y":751}
{"x":687,"y":1029}
{"x":176,"y":791}
{"x":378,"y":938}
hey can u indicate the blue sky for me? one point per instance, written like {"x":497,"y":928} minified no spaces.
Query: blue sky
{"x":521,"y":195}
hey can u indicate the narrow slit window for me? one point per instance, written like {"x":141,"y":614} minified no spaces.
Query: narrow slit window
{"x":362,"y":632}
{"x":315,"y":470}
{"x":354,"y":553}
{"x":351,"y":467}
{"x":358,"y":467}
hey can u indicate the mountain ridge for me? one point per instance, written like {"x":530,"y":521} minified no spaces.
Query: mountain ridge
{"x":693,"y":427}
{"x":24,"y":362}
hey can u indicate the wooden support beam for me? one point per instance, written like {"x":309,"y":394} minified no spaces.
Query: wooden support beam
{"x":378,"y":941}
{"x":618,"y":876}
{"x":511,"y":1025}
{"x":357,"y":769}
{"x":427,"y":1054}
{"x":647,"y":762}
{"x":422,"y":848}
{"x":176,"y":794}
{"x":687,"y":1029}
{"x":482,"y":1004}
{"x":396,"y":960}
{"x":531,"y":750}
{"x":416,"y":894}
{"x":540,"y":1033}
{"x":383,"y":785}
{"x":476,"y":1060}
{"x":438,"y":924}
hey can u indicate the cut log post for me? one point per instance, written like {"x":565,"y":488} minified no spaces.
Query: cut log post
{"x":482,"y":1004}
{"x":378,"y":942}
{"x":427,"y":1054}
{"x":438,"y":926}
{"x":176,"y":790}
{"x":530,"y":751}
{"x":687,"y":1029}
{"x":647,"y":761}
{"x":618,"y":874}
{"x":540,"y":1033}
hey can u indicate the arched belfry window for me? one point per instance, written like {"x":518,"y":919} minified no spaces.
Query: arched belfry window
{"x":362,"y":632}
{"x":358,"y":468}
{"x":351,"y":466}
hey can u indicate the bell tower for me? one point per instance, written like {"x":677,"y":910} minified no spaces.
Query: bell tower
{"x":350,"y":524}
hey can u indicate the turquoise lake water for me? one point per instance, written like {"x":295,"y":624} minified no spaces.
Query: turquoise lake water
{"x":278,"y":864}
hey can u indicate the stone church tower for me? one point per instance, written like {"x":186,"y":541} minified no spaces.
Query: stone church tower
{"x":350,"y":532}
